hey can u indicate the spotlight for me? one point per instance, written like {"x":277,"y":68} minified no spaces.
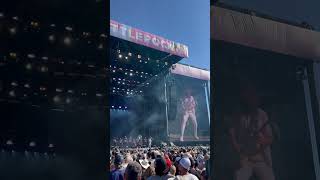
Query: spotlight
{"x":44,"y":69}
{"x":15,"y":18}
{"x":113,"y":91}
{"x":67,"y":41}
{"x":45,"y":58}
{"x":118,"y":51}
{"x":52,"y":38}
{"x":70,"y":91}
{"x":28,"y":66}
{"x":13,"y":55}
{"x":14,"y":84}
{"x":31,"y":56}
{"x":32,"y":144}
{"x":131,"y":74}
{"x":27,"y":86}
{"x":125,"y":107}
{"x":120,"y":107}
{"x":112,"y":106}
{"x":68,"y":100}
{"x":12,"y":30}
{"x":126,"y":73}
{"x":100,"y":46}
{"x":9,"y":142}
{"x":140,"y":61}
{"x":68,"y":28}
{"x":99,"y":95}
{"x":126,"y":57}
{"x":129,"y":54}
{"x":12,"y":93}
{"x":139,"y":56}
{"x":34,"y":24}
{"x":51,"y":146}
{"x":56,"y":99}
{"x":58,"y":90}
{"x":113,"y":70}
{"x":43,"y":88}
{"x":120,"y":56}
{"x":52,"y":25}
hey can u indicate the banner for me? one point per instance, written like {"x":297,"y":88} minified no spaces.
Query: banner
{"x":146,"y":39}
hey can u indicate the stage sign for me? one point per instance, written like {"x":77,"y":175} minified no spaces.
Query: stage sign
{"x":150,"y":40}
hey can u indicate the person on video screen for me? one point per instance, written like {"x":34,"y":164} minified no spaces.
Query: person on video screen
{"x":251,"y":138}
{"x":188,"y":111}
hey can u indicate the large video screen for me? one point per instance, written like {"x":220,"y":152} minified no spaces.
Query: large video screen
{"x":188,"y":110}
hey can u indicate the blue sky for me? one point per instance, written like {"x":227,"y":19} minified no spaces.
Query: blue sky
{"x":183,"y":21}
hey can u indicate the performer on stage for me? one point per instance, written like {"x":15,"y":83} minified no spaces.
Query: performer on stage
{"x":188,"y":107}
{"x":251,"y":138}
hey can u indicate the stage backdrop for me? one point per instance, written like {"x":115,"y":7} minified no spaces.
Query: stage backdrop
{"x":177,"y":86}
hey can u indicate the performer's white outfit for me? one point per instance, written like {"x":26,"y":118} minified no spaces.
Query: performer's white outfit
{"x":188,"y":105}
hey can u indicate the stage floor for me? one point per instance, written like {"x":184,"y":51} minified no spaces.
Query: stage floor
{"x":176,"y":138}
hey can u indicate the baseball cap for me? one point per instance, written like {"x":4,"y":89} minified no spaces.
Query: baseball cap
{"x":144,"y":163}
{"x":185,"y":163}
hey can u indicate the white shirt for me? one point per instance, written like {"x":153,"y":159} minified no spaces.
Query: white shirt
{"x":185,"y":177}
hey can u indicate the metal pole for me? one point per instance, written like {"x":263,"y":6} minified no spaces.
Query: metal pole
{"x":166,"y":101}
{"x":207,"y":100}
{"x":311,"y":125}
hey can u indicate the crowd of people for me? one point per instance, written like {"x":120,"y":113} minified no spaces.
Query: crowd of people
{"x":160,"y":163}
{"x":126,"y":142}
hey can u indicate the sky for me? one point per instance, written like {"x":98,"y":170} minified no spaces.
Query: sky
{"x":292,"y":10}
{"x":183,"y":21}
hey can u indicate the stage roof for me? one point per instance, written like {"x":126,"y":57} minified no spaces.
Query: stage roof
{"x":264,"y":33}
{"x":140,"y":37}
{"x":135,"y":64}
{"x":190,"y":71}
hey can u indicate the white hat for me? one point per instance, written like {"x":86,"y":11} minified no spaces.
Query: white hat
{"x":144,"y":163}
{"x":185,"y":163}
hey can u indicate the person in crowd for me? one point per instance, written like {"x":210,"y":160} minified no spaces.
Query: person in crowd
{"x":116,"y":174}
{"x":172,"y":171}
{"x":193,"y":169}
{"x":147,"y":170}
{"x":160,"y":167}
{"x":133,"y":171}
{"x":127,"y":159}
{"x":184,"y":167}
